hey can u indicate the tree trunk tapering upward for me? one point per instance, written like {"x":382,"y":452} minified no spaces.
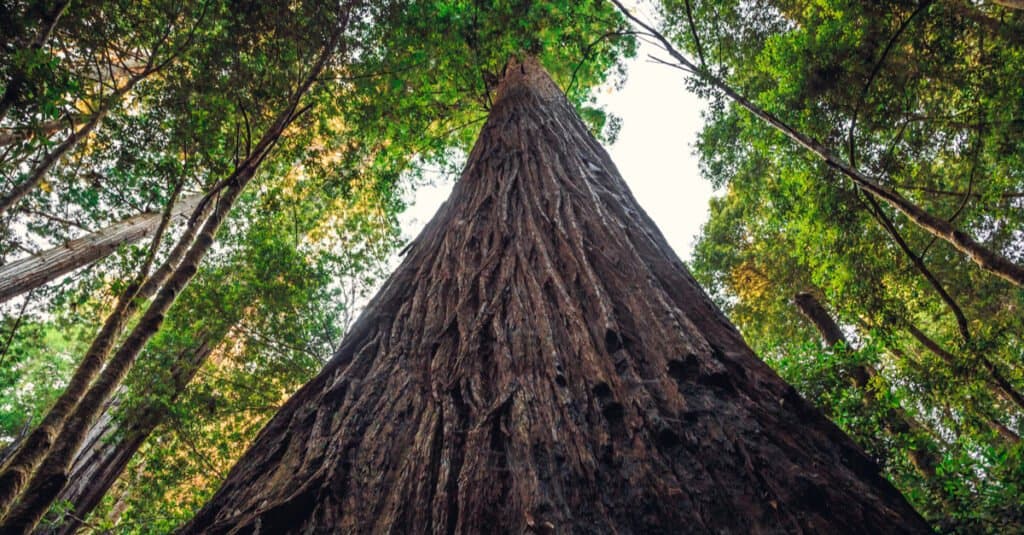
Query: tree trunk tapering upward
{"x":542,"y":362}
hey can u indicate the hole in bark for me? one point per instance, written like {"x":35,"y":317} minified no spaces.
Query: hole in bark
{"x":812,"y":494}
{"x":614,"y":341}
{"x":336,"y":394}
{"x":612,"y":410}
{"x":615,"y":413}
{"x":719,"y":380}
{"x":667,"y":439}
{"x":560,"y":380}
{"x":455,"y":463}
{"x":286,"y":515}
{"x":683,"y":370}
{"x":621,"y":363}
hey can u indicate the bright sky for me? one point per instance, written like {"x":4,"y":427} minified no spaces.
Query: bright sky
{"x":654,"y":153}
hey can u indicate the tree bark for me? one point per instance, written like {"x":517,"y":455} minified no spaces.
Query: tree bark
{"x":542,"y":362}
{"x":26,"y":274}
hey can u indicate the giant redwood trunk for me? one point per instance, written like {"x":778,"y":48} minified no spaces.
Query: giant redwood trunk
{"x":543,"y":362}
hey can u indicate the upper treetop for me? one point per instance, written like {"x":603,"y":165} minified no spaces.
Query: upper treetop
{"x":528,"y":74}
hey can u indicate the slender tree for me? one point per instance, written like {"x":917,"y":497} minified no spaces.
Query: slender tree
{"x":51,"y":475}
{"x":19,"y":466}
{"x":108,"y":447}
{"x":34,"y":271}
{"x":543,"y":362}
{"x":895,"y":420}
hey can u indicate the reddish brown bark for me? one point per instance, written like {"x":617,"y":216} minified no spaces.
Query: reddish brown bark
{"x":543,"y":362}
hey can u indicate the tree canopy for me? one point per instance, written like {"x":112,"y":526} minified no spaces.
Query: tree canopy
{"x":867,"y":157}
{"x":921,"y":97}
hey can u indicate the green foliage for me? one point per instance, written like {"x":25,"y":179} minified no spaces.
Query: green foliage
{"x":35,"y":353}
{"x":408,"y":89}
{"x":923,"y":96}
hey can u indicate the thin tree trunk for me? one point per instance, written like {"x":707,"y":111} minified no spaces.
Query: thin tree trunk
{"x":26,"y":274}
{"x":52,"y":474}
{"x":17,"y":470}
{"x":10,"y":136}
{"x":1012,"y":4}
{"x":895,"y":420}
{"x":542,"y":362}
{"x":919,"y":265}
{"x":986,"y":258}
{"x":108,"y":448}
{"x":1008,"y":436}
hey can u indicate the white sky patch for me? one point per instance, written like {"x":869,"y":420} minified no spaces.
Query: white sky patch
{"x":654,"y":153}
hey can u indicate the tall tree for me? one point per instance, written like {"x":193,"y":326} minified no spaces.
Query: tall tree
{"x":995,"y":260}
{"x":37,"y":493}
{"x":34,"y":271}
{"x":273,"y":300}
{"x":542,"y":361}
{"x":922,"y":96}
{"x":895,"y":420}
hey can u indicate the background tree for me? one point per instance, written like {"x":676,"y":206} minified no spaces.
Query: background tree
{"x":197,"y":121}
{"x":916,"y":95}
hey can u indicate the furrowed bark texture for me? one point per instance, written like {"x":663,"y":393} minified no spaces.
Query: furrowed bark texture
{"x":543,"y":362}
{"x":26,"y":274}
